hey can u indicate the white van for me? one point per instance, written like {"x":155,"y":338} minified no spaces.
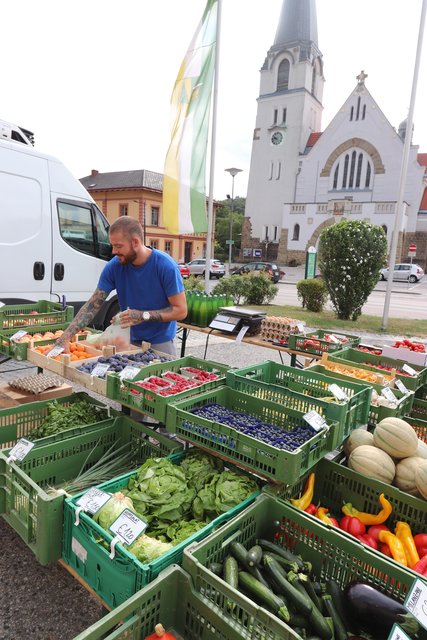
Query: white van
{"x":53,"y":238}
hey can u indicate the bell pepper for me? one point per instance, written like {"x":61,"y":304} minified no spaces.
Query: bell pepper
{"x":323,"y":515}
{"x":307,"y":497}
{"x":370,"y":518}
{"x":160,"y":632}
{"x":375,"y":529}
{"x":421,"y":543}
{"x":368,"y":540}
{"x":385,"y":549}
{"x":311,"y":509}
{"x":396,"y":546}
{"x":352,"y":525}
{"x":421,"y":566}
{"x":404,"y":533}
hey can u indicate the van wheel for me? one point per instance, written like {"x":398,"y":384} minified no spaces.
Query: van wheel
{"x":112,"y":311}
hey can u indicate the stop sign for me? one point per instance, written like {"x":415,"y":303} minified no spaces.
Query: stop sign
{"x":412,"y":247}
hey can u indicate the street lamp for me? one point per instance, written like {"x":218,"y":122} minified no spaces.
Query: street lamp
{"x":233,"y":173}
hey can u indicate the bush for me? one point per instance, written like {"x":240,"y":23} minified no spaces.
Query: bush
{"x":351,"y":254}
{"x":251,"y":288}
{"x":313,"y":293}
{"x":192,"y":283}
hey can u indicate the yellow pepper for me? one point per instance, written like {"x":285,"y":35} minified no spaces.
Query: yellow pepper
{"x":404,"y":533}
{"x":370,"y":518}
{"x":395,"y":545}
{"x":323,"y":514}
{"x":307,"y":496}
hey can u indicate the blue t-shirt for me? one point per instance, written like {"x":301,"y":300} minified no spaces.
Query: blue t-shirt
{"x":146,"y":288}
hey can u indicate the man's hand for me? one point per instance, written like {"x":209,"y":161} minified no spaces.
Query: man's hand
{"x":65,"y":343}
{"x":128,"y":318}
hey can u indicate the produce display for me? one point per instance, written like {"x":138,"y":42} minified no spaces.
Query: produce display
{"x":119,"y":361}
{"x":172,"y":383}
{"x":376,"y":351}
{"x":61,"y":417}
{"x":355,"y":372}
{"x":47,"y":335}
{"x":411,"y":346}
{"x":254,"y":427}
{"x":77,"y":350}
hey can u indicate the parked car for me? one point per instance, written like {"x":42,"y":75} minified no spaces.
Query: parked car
{"x":197,"y":268}
{"x":185,"y":271}
{"x":404,"y":271}
{"x":272,"y":269}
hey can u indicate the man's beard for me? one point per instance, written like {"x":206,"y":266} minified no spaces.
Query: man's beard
{"x":129,"y":258}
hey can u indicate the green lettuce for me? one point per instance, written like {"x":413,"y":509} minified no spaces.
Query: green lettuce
{"x":199,"y":468}
{"x":179,"y":531}
{"x":147,"y":549}
{"x":223,"y":492}
{"x":112,"y":509}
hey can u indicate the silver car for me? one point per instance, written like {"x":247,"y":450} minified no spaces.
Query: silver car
{"x":197,"y":268}
{"x":405,"y":272}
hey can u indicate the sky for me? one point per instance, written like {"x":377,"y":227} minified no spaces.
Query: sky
{"x":93,"y":78}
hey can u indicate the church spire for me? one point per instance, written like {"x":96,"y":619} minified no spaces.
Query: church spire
{"x":298,"y":22}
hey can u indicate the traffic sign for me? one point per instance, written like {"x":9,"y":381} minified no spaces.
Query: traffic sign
{"x":412,"y":252}
{"x":412,"y":247}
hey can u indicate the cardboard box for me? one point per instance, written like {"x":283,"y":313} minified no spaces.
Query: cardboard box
{"x":411,"y":357}
{"x":21,"y":397}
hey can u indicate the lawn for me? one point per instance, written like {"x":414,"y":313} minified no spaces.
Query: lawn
{"x":370,"y":324}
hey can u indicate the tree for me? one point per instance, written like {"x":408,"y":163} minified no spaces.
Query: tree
{"x":222,"y":227}
{"x":351,"y":254}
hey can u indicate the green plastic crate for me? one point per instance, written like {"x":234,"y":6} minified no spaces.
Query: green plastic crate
{"x":304,"y":390}
{"x":172,"y":600}
{"x":419,"y":425}
{"x":115,"y":580}
{"x":331,"y":554}
{"x":20,"y":316}
{"x":370,"y":362}
{"x":296,"y":342}
{"x":336,"y":484}
{"x":153,"y":404}
{"x":36,"y":515}
{"x":245,"y":451}
{"x":421,"y":392}
{"x":18,"y":350}
{"x":418,"y":409}
{"x":18,"y":422}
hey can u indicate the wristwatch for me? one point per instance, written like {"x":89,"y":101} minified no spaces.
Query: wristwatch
{"x":146,"y":316}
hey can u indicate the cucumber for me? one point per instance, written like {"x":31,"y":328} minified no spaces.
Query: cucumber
{"x":340,"y":632}
{"x":302,"y":603}
{"x":264,"y":595}
{"x":317,"y":622}
{"x":216,"y":568}
{"x":280,"y":551}
{"x":254,"y":556}
{"x":231,"y":571}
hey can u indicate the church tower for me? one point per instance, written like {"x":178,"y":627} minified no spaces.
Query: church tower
{"x":289,"y":110}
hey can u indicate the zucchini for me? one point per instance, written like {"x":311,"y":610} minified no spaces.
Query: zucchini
{"x":230,"y":571}
{"x":216,"y":568}
{"x":309,"y":588}
{"x":254,"y":556}
{"x":337,"y":595}
{"x":256,"y":573}
{"x":280,"y":551}
{"x":317,"y":622}
{"x":264,"y":595}
{"x":302,"y":603}
{"x":286,"y":564}
{"x":239,"y":552}
{"x":340,"y":632}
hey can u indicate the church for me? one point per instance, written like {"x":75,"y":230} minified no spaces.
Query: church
{"x":303,"y":179}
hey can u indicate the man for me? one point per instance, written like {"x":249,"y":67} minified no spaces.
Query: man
{"x":149,"y":288}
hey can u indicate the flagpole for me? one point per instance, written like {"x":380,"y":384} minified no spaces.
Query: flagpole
{"x":212,"y":157}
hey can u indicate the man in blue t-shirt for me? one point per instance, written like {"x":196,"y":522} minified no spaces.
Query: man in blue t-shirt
{"x":149,"y":288}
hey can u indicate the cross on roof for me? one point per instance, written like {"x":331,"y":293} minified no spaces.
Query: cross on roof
{"x":361,"y":77}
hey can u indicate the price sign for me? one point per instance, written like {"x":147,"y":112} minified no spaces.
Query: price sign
{"x":21,"y":449}
{"x":338,"y":392}
{"x":399,"y":384}
{"x":301,"y":327}
{"x":128,"y":373}
{"x":416,"y":602}
{"x":407,"y":369}
{"x":100,"y":369}
{"x":18,"y":335}
{"x":315,"y":420}
{"x":333,"y":339}
{"x":55,"y":351}
{"x":398,"y":634}
{"x":389,"y":395}
{"x":93,"y":500}
{"x":128,"y":527}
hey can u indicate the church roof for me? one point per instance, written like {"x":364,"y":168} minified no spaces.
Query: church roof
{"x":138,"y":179}
{"x":312,"y":139}
{"x":422,"y":160}
{"x":423,"y":205}
{"x":298,"y":21}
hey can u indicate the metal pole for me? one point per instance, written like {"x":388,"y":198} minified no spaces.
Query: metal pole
{"x":404,"y":170}
{"x":233,"y":172}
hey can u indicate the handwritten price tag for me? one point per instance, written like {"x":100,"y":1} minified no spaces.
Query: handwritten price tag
{"x":315,"y":420}
{"x":398,"y":634}
{"x":389,"y":395}
{"x":407,"y":369}
{"x":128,"y":373}
{"x":100,"y":369}
{"x":333,"y":339}
{"x":416,"y":602}
{"x":128,"y":527}
{"x":338,"y":392}
{"x":55,"y":351}
{"x":18,"y":335}
{"x":301,"y":327}
{"x":93,"y":500}
{"x":21,"y":449}
{"x":399,"y":384}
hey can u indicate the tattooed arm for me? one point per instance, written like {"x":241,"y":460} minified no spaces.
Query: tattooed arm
{"x":84,"y":316}
{"x":177,"y":310}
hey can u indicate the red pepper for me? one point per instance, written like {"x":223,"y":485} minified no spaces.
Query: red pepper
{"x":375,"y":529}
{"x":421,"y":542}
{"x":352,"y":525}
{"x":385,"y":549}
{"x":311,"y":509}
{"x":421,"y":566}
{"x":368,"y":540}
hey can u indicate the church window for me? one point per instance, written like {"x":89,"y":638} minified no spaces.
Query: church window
{"x":368,"y":175}
{"x":358,"y":108}
{"x":352,"y":168}
{"x":275,"y":232}
{"x":384,"y":226}
{"x":344,"y":178}
{"x":337,"y":168}
{"x":296,"y":232}
{"x":279,"y":168}
{"x":364,"y":112}
{"x":359,"y":170}
{"x":271,"y":170}
{"x":313,"y":81}
{"x":283,"y":75}
{"x":275,"y":117}
{"x":284,"y":116}
{"x":351,"y":113}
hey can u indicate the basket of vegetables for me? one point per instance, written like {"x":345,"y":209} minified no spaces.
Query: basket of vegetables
{"x":32,"y":492}
{"x":318,"y":582}
{"x":181,"y":500}
{"x":34,"y":314}
{"x":319,"y":342}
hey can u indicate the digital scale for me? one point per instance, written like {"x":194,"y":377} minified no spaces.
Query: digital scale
{"x":232,"y":319}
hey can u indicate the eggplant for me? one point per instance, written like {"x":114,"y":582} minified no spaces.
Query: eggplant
{"x":376,"y":612}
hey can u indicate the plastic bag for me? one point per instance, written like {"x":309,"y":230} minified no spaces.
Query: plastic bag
{"x":114,"y":335}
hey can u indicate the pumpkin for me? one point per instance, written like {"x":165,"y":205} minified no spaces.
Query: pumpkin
{"x":373,"y":463}
{"x":421,"y":478}
{"x":421,"y":449}
{"x":356,"y":438}
{"x":396,"y":437}
{"x":405,"y":475}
